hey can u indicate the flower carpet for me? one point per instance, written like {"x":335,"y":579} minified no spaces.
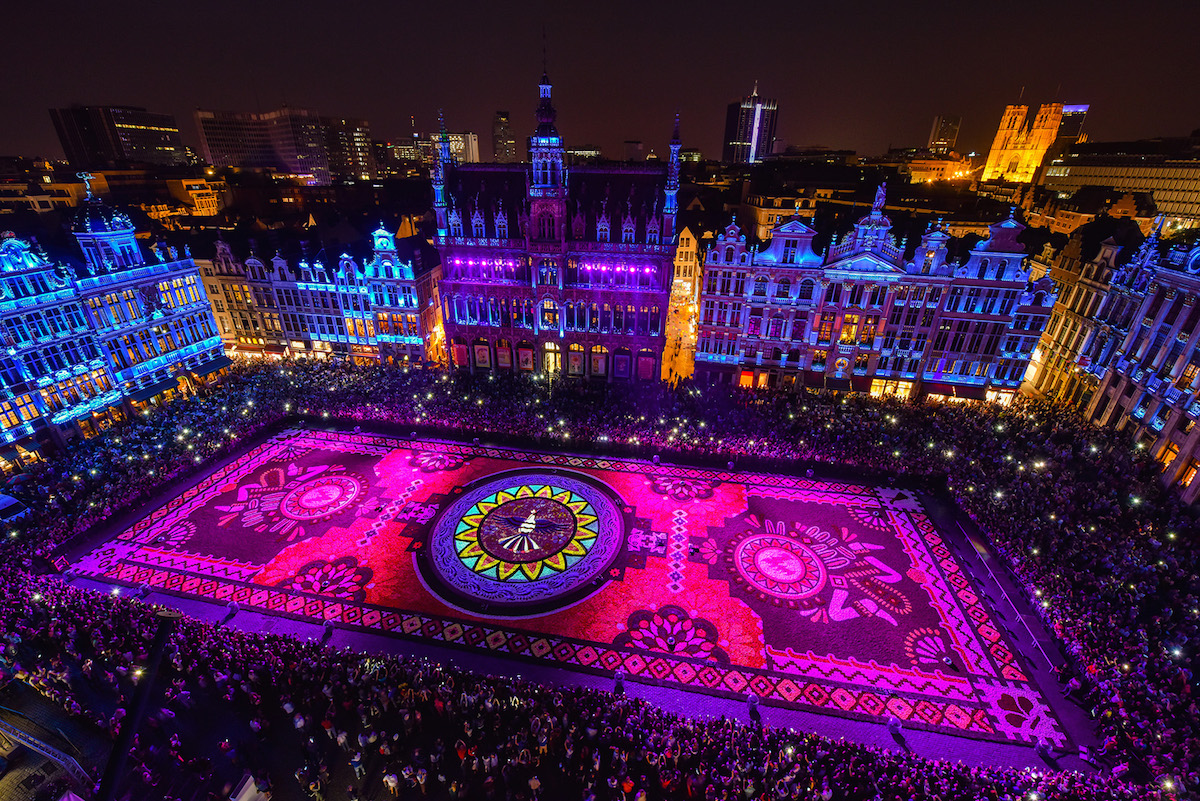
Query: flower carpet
{"x":815,"y":595}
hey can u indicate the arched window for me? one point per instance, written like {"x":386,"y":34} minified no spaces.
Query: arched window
{"x":501,"y":225}
{"x":546,"y":229}
{"x":760,"y":286}
{"x":1000,"y":268}
{"x":983,"y":265}
{"x":807,"y":286}
{"x":728,"y":255}
{"x":783,"y":288}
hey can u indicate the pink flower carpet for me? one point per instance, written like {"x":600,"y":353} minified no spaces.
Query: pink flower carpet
{"x":822,"y":596}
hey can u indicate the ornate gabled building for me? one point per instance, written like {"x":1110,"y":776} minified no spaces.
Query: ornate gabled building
{"x":863,"y":318}
{"x":548,"y":268}
{"x":81,"y":352}
{"x":382,"y":310}
{"x":1145,"y":355}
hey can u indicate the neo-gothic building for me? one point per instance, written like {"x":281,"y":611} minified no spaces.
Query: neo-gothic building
{"x":863,"y":318}
{"x":552,"y":269}
{"x":81,"y":352}
{"x":382,"y":310}
{"x":1144,"y":350}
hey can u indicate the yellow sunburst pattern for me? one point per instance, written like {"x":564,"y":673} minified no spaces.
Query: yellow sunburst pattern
{"x":555,"y":525}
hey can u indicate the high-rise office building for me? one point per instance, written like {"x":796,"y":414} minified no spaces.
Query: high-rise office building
{"x":944,"y":134}
{"x":94,"y":137}
{"x":464,"y":146}
{"x":749,"y":129}
{"x":289,"y":139}
{"x":504,"y":146}
{"x":348,"y":147}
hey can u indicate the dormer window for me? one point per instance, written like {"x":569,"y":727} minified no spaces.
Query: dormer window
{"x":627,"y":233}
{"x":456,"y":227}
{"x":477,"y":229}
{"x":602,"y":227}
{"x":652,"y":236}
{"x":789,"y":251}
{"x":501,"y":226}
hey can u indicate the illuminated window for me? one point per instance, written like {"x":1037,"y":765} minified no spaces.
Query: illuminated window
{"x":849,"y":329}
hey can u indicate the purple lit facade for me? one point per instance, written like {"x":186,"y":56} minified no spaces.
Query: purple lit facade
{"x":863,"y":318}
{"x":550,"y":269}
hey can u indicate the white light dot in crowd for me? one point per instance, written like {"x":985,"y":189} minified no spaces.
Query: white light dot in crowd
{"x":115,"y":591}
{"x":37,"y":596}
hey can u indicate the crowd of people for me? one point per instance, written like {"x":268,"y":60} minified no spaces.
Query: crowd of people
{"x":1108,"y":558}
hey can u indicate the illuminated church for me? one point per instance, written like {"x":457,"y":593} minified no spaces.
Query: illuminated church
{"x":550,"y":268}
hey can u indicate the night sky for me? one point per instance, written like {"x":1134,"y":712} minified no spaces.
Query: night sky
{"x":859,"y":75}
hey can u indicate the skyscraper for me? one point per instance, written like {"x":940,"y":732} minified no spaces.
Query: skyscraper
{"x":348,"y":148}
{"x":944,"y":134}
{"x":749,"y":129}
{"x":289,"y":139}
{"x":94,"y":137}
{"x":504,"y":146}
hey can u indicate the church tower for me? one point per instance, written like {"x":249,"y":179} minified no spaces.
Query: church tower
{"x":671,"y":204}
{"x":440,"y":165}
{"x":548,"y":181}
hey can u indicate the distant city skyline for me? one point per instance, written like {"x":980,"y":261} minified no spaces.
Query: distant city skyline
{"x":852,"y":86}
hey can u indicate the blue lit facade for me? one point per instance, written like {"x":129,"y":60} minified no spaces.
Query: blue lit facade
{"x":1144,"y":352}
{"x":548,"y":269}
{"x":862,"y":318}
{"x":81,"y":352}
{"x":382,"y":310}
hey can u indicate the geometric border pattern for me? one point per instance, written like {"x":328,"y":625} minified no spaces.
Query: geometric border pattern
{"x":969,"y":704}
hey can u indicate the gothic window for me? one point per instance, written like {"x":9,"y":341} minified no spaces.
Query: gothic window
{"x":546,"y":229}
{"x":602,"y":229}
{"x":627,"y":232}
{"x":651,"y":235}
{"x":477,"y":225}
{"x":455,"y":223}
{"x":501,"y":225}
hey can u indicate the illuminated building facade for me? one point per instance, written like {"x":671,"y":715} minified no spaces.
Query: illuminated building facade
{"x":1059,"y":369}
{"x":383,"y":310}
{"x":1145,"y":355}
{"x":749,"y":129}
{"x":863,"y":318}
{"x":555,"y":270}
{"x":1020,"y":148}
{"x":81,"y":352}
{"x":94,"y":137}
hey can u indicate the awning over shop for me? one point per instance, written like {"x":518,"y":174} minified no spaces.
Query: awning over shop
{"x":842,"y":384}
{"x":8,"y":455}
{"x":213,"y":366}
{"x":146,"y":393}
{"x":276,"y":349}
{"x":966,"y":391}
